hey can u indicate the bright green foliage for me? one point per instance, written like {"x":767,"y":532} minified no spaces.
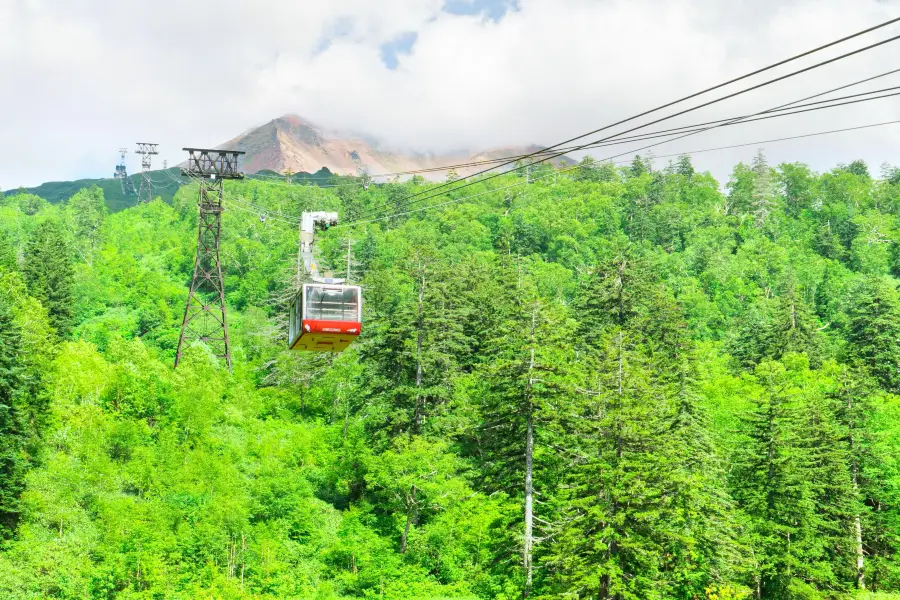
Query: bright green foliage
{"x":47,"y":268}
{"x":792,"y":328}
{"x":874,"y":328}
{"x":797,"y":185}
{"x":762,"y":196}
{"x":12,"y":428}
{"x":772,"y":487}
{"x":8,"y":258}
{"x":86,"y":211}
{"x":610,"y":382}
{"x":612,"y":533}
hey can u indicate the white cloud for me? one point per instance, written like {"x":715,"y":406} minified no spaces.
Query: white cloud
{"x":84,"y":77}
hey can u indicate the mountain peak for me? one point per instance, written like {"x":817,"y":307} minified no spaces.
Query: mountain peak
{"x":293,"y":143}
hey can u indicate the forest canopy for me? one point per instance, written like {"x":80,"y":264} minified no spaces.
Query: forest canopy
{"x":605,"y":382}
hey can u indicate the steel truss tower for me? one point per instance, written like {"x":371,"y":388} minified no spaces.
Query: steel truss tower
{"x":122,"y":174}
{"x":205,"y":316}
{"x":146,"y":150}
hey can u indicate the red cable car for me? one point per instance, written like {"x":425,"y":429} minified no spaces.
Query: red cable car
{"x":325,"y":317}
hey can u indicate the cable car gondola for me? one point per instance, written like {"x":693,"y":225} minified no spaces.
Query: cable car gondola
{"x":325,"y":317}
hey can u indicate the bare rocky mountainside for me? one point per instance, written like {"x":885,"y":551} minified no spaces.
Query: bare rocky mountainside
{"x":291,"y":143}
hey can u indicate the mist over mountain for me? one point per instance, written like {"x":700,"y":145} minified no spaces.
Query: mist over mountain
{"x":291,"y":143}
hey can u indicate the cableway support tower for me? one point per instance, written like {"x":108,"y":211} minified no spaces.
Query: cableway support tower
{"x":146,"y":150}
{"x":122,"y":174}
{"x":205,"y":315}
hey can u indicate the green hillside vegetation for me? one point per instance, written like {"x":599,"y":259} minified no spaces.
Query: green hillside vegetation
{"x":323,"y":177}
{"x":60,"y":191}
{"x":165,"y":184}
{"x":694,"y":390}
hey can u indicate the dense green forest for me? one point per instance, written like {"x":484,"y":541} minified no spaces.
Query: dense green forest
{"x":165,"y":184}
{"x":627,"y":383}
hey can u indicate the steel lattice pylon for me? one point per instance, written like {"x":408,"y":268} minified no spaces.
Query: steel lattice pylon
{"x":205,"y":316}
{"x":146,"y":150}
{"x":122,"y":174}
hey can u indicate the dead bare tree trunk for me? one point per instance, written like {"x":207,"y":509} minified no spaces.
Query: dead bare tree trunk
{"x":528,"y":542}
{"x":419,"y":409}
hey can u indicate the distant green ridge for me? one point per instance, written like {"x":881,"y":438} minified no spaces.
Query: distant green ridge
{"x":165,"y":183}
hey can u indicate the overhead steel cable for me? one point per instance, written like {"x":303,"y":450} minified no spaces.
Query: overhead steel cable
{"x":511,"y":158}
{"x":259,"y":210}
{"x":574,"y":167}
{"x":571,"y":148}
{"x":289,"y":219}
{"x":276,"y":215}
{"x":700,"y":127}
{"x":271,"y":213}
{"x":431,"y":192}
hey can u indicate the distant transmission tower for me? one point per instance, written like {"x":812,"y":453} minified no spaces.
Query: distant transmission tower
{"x":205,"y":318}
{"x":122,"y":174}
{"x":146,"y":150}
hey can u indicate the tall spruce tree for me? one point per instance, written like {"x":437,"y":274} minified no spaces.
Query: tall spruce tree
{"x":12,"y":429}
{"x":416,"y":345}
{"x":613,"y":293}
{"x":830,"y":559}
{"x":792,"y":328}
{"x":8,"y":258}
{"x":873,"y":472}
{"x":763,"y":192}
{"x":770,"y":484}
{"x":528,"y":381}
{"x":851,"y":403}
{"x":793,"y":480}
{"x":47,"y":268}
{"x":700,"y":531}
{"x":611,"y":536}
{"x":874,"y":330}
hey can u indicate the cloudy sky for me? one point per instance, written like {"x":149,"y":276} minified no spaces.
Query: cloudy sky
{"x":83,"y":77}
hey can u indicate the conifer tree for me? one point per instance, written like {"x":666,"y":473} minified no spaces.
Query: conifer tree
{"x":830,"y":559}
{"x":792,"y":328}
{"x":640,"y":166}
{"x":684,"y":166}
{"x":613,"y":293}
{"x":700,"y":533}
{"x":416,"y":344}
{"x":12,"y":434}
{"x":876,"y":536}
{"x":610,"y":542}
{"x":47,"y":269}
{"x":828,"y":243}
{"x":528,"y":382}
{"x":851,"y":405}
{"x":771,"y":486}
{"x":763,"y":195}
{"x":748,"y":346}
{"x":874,"y":329}
{"x":8,"y":258}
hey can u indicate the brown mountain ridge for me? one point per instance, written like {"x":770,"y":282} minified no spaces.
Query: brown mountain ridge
{"x":293,"y":144}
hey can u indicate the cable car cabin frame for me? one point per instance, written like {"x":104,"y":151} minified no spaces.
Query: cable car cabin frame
{"x":325,"y":317}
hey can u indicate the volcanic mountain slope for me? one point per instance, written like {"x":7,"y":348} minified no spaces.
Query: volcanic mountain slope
{"x":290,"y":143}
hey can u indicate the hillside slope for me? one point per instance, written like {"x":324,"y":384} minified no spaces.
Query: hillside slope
{"x":709,"y":381}
{"x":291,"y":143}
{"x":58,"y":191}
